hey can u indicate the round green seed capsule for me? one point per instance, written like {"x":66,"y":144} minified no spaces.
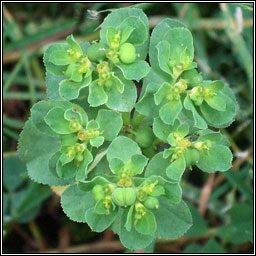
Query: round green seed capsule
{"x":152,"y":203}
{"x":124,"y":196}
{"x":98,"y":192}
{"x":127,"y":53}
{"x":96,"y":52}
{"x":145,"y":137}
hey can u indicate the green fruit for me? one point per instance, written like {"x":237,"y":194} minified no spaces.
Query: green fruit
{"x":145,"y":137}
{"x":127,"y":53}
{"x":151,"y":202}
{"x":192,"y":77}
{"x":191,"y":156}
{"x":124,"y":196}
{"x":98,"y":192}
{"x":96,"y":52}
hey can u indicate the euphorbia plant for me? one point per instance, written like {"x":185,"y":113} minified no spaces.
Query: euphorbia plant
{"x":93,"y":136}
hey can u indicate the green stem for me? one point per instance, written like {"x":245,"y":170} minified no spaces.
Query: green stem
{"x":131,"y":131}
{"x":126,"y":118}
{"x":97,"y":159}
{"x":137,"y":120}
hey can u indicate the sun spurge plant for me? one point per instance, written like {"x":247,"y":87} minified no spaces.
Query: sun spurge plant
{"x":121,"y":155}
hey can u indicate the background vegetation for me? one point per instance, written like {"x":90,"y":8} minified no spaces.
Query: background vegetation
{"x":221,"y":203}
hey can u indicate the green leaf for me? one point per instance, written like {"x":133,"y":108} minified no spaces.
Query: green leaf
{"x":219,"y":118}
{"x":61,"y":57}
{"x":162,"y":130}
{"x":138,"y":35}
{"x":50,"y":67}
{"x":164,"y":49}
{"x":172,"y":189}
{"x":132,"y":239}
{"x":53,"y":163}
{"x":110,"y":122}
{"x":89,"y":184}
{"x":75,"y":203}
{"x":122,"y":148}
{"x":116,"y":165}
{"x":216,"y":86}
{"x":40,"y":110}
{"x":55,"y":119}
{"x":199,"y":227}
{"x":13,"y":169}
{"x":170,"y":111}
{"x":98,"y":222}
{"x":161,"y":93}
{"x":97,"y":95}
{"x":137,"y":164}
{"x":125,"y":101}
{"x":99,"y":208}
{"x":118,"y":84}
{"x":128,"y":224}
{"x":72,"y":115}
{"x":218,"y":158}
{"x":217,"y":102}
{"x":235,"y":180}
{"x":175,"y":170}
{"x":36,"y":149}
{"x":69,"y":90}
{"x":134,"y":71}
{"x":116,"y":17}
{"x":240,"y":227}
{"x":158,"y":191}
{"x":214,"y":137}
{"x":126,"y":32}
{"x":199,"y":122}
{"x":73,"y":73}
{"x":183,"y":129}
{"x":74,"y":44}
{"x":82,"y":170}
{"x":180,"y":40}
{"x":212,"y":247}
{"x":97,"y":142}
{"x":66,"y":171}
{"x":93,"y":125}
{"x":173,"y":220}
{"x":111,"y":32}
{"x":65,"y":158}
{"x":52,"y":83}
{"x":147,"y":224}
{"x":26,"y":202}
{"x":157,"y":166}
{"x":146,"y":105}
{"x":157,"y":35}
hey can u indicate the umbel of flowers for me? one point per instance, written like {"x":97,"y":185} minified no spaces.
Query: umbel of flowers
{"x":120,"y":155}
